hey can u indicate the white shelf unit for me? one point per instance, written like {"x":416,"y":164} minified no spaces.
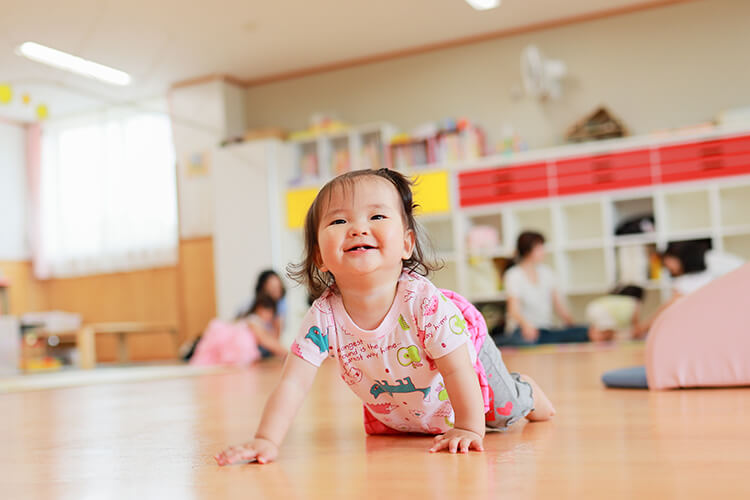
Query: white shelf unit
{"x":316,"y":159}
{"x":580,"y":230}
{"x":582,"y":245}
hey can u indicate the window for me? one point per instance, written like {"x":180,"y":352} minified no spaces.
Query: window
{"x":106,"y":196}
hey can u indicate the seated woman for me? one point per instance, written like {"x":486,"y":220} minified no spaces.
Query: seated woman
{"x":533,"y":297}
{"x":239,"y":343}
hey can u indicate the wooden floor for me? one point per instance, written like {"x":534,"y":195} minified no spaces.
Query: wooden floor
{"x":156,"y":440}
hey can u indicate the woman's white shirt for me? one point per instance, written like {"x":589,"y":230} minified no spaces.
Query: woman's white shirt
{"x":535,"y":299}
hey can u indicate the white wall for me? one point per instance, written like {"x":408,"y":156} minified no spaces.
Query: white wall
{"x":202,"y":116}
{"x":664,"y":67}
{"x":13,"y":240}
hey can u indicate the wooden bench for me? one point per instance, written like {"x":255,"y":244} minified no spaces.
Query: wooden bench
{"x":86,"y":338}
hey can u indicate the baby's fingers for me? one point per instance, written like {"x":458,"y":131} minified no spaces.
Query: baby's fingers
{"x":464,"y":445}
{"x":453,"y":445}
{"x":470,"y":444}
{"x":440,"y":444}
{"x":236,"y":454}
{"x":477,"y":445}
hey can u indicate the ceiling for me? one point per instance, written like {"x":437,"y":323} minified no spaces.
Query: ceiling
{"x":166,"y":41}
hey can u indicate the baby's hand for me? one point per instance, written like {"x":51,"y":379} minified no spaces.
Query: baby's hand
{"x":457,"y":439}
{"x":259,"y":449}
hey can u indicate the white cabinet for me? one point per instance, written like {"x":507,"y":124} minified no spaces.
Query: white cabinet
{"x":247,"y":219}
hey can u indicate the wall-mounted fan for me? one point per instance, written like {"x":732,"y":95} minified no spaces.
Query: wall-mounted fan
{"x":541,"y":77}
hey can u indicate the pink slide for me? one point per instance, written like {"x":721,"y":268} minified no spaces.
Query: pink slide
{"x":703,"y":340}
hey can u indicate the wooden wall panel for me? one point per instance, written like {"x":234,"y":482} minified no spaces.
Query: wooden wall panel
{"x":25,"y":294}
{"x":183,"y":295}
{"x":147,"y":295}
{"x":196,"y":285}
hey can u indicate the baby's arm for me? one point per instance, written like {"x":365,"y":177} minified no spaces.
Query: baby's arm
{"x":465,"y":396}
{"x":282,"y":406}
{"x":529,"y":332}
{"x":561,"y":309}
{"x":266,"y":338}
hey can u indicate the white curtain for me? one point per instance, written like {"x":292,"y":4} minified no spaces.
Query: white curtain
{"x":105,"y":195}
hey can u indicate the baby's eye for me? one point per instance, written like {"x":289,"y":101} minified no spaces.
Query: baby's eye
{"x":338,"y":221}
{"x":377,"y":217}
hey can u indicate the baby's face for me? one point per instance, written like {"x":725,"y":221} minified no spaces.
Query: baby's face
{"x":265,"y":314}
{"x":362,"y":230}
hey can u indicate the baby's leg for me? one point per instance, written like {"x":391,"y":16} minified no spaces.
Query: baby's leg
{"x":513,"y":398}
{"x":543,"y":409}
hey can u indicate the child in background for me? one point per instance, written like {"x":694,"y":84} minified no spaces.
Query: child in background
{"x":692,"y":265}
{"x":269,"y":283}
{"x":239,"y":343}
{"x":400,"y":344}
{"x":615,"y":312}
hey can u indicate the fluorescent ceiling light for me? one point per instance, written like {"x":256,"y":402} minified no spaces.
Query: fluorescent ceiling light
{"x":75,"y":64}
{"x":483,"y":4}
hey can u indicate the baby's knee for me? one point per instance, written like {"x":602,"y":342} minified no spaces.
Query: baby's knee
{"x":511,"y":406}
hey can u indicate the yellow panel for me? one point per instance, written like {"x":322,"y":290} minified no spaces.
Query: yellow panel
{"x":297,"y":203}
{"x":431,"y":192}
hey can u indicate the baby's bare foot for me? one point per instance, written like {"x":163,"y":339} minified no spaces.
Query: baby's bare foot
{"x":543,"y":409}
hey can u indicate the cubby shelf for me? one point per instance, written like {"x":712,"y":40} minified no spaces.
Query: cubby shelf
{"x":589,"y":232}
{"x":635,"y":239}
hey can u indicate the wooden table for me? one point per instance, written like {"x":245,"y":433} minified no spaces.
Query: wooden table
{"x":86,"y":338}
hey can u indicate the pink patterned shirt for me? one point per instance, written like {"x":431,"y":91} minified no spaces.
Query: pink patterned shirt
{"x":391,"y":368}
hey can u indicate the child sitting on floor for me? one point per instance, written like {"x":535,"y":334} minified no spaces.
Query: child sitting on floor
{"x":618,"y":311}
{"x":400,"y":344}
{"x":238,"y":343}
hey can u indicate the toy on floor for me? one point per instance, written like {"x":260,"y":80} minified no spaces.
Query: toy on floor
{"x":702,"y":340}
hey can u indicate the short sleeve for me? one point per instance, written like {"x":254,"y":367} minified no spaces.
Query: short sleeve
{"x":313,"y":344}
{"x":444,"y":326}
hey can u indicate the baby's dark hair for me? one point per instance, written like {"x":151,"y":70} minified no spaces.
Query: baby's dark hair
{"x":629,"y":291}
{"x":307,"y":272}
{"x":263,"y":301}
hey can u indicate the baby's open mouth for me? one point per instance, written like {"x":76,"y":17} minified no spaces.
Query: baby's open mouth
{"x":360,"y":248}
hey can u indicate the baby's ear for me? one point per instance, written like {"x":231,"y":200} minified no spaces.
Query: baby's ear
{"x":409,"y":242}
{"x":319,"y":262}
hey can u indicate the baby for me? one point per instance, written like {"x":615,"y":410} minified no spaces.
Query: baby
{"x":400,"y":344}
